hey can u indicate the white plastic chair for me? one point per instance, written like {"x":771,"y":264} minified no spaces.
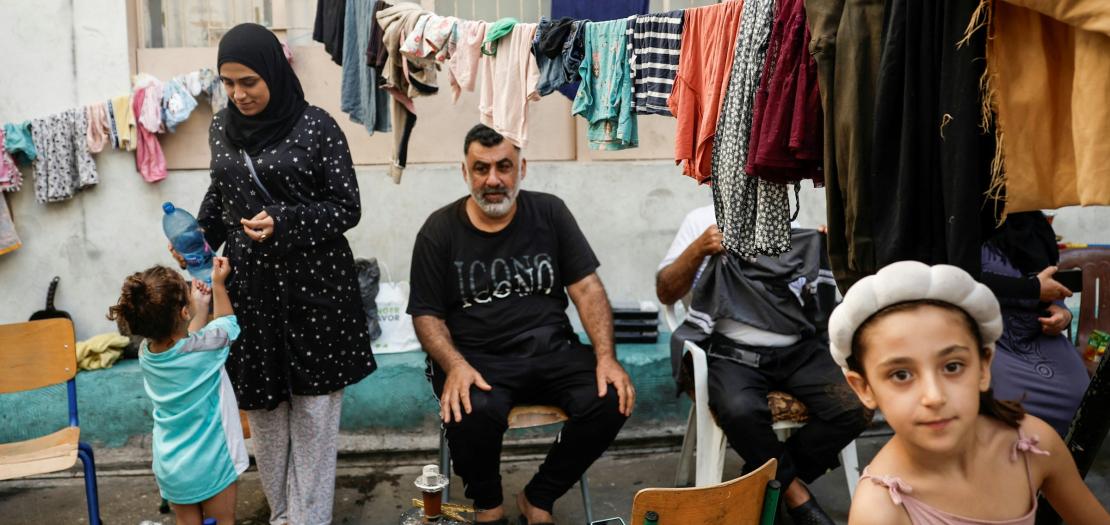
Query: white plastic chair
{"x":706,"y":436}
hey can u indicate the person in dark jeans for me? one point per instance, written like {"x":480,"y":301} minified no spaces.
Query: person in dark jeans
{"x":490,"y":277}
{"x":764,"y":328}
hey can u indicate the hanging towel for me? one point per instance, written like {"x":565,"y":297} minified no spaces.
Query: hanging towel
{"x":361,"y":96}
{"x":125,"y":122}
{"x":509,"y":82}
{"x":10,"y":177}
{"x":462,"y":67}
{"x":708,"y":43}
{"x":654,"y":43}
{"x":19,"y":143}
{"x":64,"y":165}
{"x":376,"y":53}
{"x":177,"y":104}
{"x":605,"y":94}
{"x":403,"y":79}
{"x":496,"y":32}
{"x":1048,"y":78}
{"x":113,"y":138}
{"x":328,"y":28}
{"x":9,"y":239}
{"x":97,"y":134}
{"x":149,"y":159}
{"x":785,"y":144}
{"x":753,"y":215}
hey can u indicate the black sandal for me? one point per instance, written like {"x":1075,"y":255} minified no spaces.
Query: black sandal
{"x":500,"y":521}
{"x":524,"y":521}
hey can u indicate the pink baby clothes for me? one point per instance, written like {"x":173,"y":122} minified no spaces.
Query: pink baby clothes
{"x":462,"y":67}
{"x":149,"y":159}
{"x":98,"y":126}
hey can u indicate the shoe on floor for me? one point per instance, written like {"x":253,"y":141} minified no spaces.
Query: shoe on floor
{"x":500,"y":521}
{"x":809,"y":513}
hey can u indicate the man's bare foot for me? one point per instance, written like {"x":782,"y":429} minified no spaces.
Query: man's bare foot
{"x":491,"y":514}
{"x":530,"y":513}
{"x":796,"y":494}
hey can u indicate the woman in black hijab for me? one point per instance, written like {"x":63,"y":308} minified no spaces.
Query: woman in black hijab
{"x":282,"y":194}
{"x":1034,"y":362}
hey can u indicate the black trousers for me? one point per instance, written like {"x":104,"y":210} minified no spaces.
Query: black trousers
{"x":738,"y":398}
{"x":563,"y":375}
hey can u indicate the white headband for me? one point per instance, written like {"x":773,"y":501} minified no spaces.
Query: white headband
{"x":912,"y":281}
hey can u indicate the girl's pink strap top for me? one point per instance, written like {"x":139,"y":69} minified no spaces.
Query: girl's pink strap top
{"x":923,"y":514}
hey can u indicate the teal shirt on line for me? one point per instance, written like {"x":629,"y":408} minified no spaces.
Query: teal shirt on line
{"x":604,"y":96}
{"x":198,"y":440}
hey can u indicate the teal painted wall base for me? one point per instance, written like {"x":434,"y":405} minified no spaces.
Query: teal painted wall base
{"x":396,"y":400}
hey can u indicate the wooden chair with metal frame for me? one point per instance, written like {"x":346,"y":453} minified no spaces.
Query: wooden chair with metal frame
{"x":748,"y":500}
{"x":39,"y":354}
{"x":522,"y":416}
{"x":703,"y":446}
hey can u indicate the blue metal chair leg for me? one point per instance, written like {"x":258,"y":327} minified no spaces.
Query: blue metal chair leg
{"x":85,"y":452}
{"x":584,"y":484}
{"x":445,"y":462}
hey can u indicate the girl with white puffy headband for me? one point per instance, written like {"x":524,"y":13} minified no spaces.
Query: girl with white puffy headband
{"x":916,"y":342}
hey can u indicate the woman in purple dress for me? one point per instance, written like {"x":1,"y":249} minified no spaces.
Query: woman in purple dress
{"x":1034,"y":363}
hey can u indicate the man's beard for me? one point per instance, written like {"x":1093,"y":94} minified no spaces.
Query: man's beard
{"x":495,"y":209}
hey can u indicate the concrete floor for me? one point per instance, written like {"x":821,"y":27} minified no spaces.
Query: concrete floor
{"x":373,"y":490}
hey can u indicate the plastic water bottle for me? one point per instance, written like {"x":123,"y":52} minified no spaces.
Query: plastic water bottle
{"x":184,"y":233}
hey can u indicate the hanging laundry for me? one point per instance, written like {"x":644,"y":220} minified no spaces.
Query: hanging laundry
{"x":654,"y":43}
{"x":559,"y":48}
{"x":376,"y":53}
{"x":113,"y":138}
{"x":403,"y":79}
{"x":149,"y":160}
{"x":705,"y":61}
{"x":930,"y":161}
{"x":9,"y":239}
{"x":18,"y":142}
{"x":605,"y":94}
{"x":10,"y":177}
{"x":361,"y":98}
{"x":753,"y":214}
{"x":97,"y":134}
{"x":177,"y":104}
{"x":149,"y":113}
{"x":785,"y":145}
{"x":496,"y":31}
{"x":125,"y":123}
{"x":63,"y":165}
{"x":586,"y":10}
{"x":508,"y":84}
{"x":433,"y":38}
{"x":329,"y":27}
{"x":462,"y":66}
{"x":1049,"y":75}
{"x":845,"y":42}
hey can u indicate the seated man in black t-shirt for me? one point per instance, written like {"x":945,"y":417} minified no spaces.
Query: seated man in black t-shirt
{"x":489,"y":307}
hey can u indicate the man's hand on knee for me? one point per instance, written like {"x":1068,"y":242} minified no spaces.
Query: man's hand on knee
{"x":609,"y":371}
{"x":455,"y":398}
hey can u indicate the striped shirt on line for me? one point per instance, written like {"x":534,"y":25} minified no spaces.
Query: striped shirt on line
{"x":654,"y":43}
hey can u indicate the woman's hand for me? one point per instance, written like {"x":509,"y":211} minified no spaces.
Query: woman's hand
{"x":1057,"y":321}
{"x":259,"y":228}
{"x":1051,"y":289}
{"x":177,"y":256}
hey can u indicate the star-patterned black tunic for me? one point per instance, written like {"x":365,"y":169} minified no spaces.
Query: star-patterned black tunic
{"x":296,"y":294}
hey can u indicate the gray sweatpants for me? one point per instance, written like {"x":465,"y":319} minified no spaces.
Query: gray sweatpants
{"x":295,"y":448}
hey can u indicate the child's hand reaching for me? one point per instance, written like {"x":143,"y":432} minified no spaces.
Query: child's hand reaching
{"x":220,"y":270}
{"x":201,"y":296}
